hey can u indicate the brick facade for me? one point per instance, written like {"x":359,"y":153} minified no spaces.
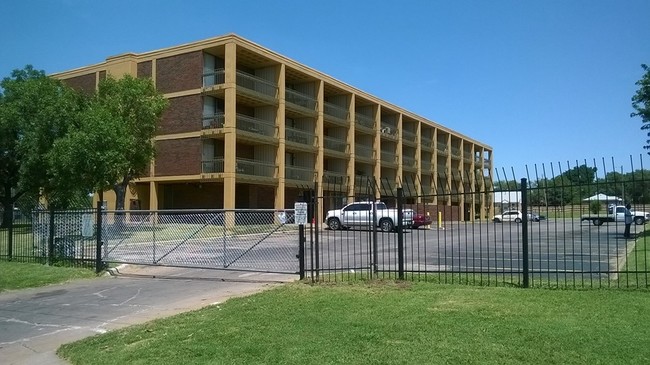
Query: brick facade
{"x":183,"y":115}
{"x":178,"y":157}
{"x":144,"y":69}
{"x":179,"y":73}
{"x":85,"y":83}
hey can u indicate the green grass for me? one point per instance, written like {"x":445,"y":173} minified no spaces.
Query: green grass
{"x":14,"y":275}
{"x":637,"y":263}
{"x":384,"y":322}
{"x":23,"y":240}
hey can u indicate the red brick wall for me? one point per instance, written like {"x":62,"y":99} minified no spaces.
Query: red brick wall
{"x":178,"y":157}
{"x":183,"y":115}
{"x":181,"y":72}
{"x":84,"y":83}
{"x":144,"y":69}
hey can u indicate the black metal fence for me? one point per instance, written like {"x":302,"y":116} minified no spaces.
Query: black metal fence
{"x":557,"y":227}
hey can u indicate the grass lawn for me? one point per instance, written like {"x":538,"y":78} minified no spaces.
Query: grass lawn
{"x":390,"y":323}
{"x":15,"y":275}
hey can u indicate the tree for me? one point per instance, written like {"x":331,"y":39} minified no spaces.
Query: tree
{"x":133,"y":107}
{"x":35,"y":110}
{"x":641,"y":102}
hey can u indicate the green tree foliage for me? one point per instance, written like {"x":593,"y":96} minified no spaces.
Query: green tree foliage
{"x":595,"y":206}
{"x":35,"y":110}
{"x":131,"y":108}
{"x":641,"y":102}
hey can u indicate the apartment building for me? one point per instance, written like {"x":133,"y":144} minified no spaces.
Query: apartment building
{"x":249,"y":128}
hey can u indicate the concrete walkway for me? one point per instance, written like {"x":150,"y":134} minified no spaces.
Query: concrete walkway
{"x":35,"y":322}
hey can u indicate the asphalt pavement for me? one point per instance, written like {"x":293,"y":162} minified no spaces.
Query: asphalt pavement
{"x":35,"y":322}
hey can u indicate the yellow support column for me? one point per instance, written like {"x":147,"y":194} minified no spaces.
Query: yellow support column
{"x":280,"y":155}
{"x":230,"y":123}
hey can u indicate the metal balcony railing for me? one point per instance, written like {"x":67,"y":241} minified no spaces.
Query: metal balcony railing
{"x":442,"y":148}
{"x":213,"y":121}
{"x":334,"y":176}
{"x":426,"y":166}
{"x":257,"y":84}
{"x":215,"y":77}
{"x":364,"y":120}
{"x":335,"y":144}
{"x":455,"y":152}
{"x":299,"y":173}
{"x":409,"y":136}
{"x":363,"y":151}
{"x":409,"y":162}
{"x":388,"y":157}
{"x":255,"y":125}
{"x":299,"y":136}
{"x":212,"y":166}
{"x":302,"y":100}
{"x":388,"y":131}
{"x":336,"y":111}
{"x":244,"y":166}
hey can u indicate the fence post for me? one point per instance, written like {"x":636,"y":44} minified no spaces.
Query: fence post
{"x":524,"y":230}
{"x":50,"y":238}
{"x":316,"y":248}
{"x":301,"y":250}
{"x":10,"y":237}
{"x":400,"y":234}
{"x":98,"y":249}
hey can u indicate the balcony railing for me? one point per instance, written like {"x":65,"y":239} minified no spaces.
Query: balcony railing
{"x":257,"y":84}
{"x":409,"y":162}
{"x":255,"y":125}
{"x":409,"y":136}
{"x":335,"y":144}
{"x":455,"y":152}
{"x":299,"y":136}
{"x":302,"y":100}
{"x":213,"y":121}
{"x":426,"y":166}
{"x":334,"y":176}
{"x":364,"y":121}
{"x":336,"y":111}
{"x":216,"y":77}
{"x":212,"y":166}
{"x":426,"y":143}
{"x":245,"y":166}
{"x":388,"y":131}
{"x":299,"y":173}
{"x":388,"y":157}
{"x":363,"y":151}
{"x":442,"y":148}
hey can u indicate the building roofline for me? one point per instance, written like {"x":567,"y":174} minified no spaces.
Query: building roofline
{"x":240,"y":41}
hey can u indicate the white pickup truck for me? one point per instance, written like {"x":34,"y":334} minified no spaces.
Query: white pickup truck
{"x":615,"y":214}
{"x":359,"y":214}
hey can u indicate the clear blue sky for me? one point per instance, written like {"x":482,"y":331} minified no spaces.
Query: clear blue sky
{"x":542,"y":82}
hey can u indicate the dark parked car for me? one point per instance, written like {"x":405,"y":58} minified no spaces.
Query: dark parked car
{"x":420,"y":220}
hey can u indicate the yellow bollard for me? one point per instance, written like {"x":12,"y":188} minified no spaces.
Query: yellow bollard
{"x":428,"y":217}
{"x":439,"y":220}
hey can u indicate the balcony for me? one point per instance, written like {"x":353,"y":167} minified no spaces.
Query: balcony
{"x":455,"y":152}
{"x":467,"y":156}
{"x":256,"y":88}
{"x":426,"y":144}
{"x":443,"y":149}
{"x":212,"y":166}
{"x":213,"y":121}
{"x":335,"y":146}
{"x":409,"y":162}
{"x":362,"y":152}
{"x":215,"y":77}
{"x":409,"y":137}
{"x":364,"y":123}
{"x":300,"y":103}
{"x":255,"y":126}
{"x":426,"y":166}
{"x":249,"y":167}
{"x":388,"y":158}
{"x":334,"y":177}
{"x":299,"y":138}
{"x":336,"y":113}
{"x":388,"y":131}
{"x":299,"y":173}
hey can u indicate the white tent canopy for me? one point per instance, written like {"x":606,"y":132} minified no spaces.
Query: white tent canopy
{"x":603,"y":198}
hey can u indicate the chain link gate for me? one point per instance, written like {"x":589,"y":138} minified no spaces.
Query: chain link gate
{"x":242,"y":240}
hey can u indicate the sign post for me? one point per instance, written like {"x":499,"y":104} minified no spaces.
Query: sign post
{"x":300,"y":214}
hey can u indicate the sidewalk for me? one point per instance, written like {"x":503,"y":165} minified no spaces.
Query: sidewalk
{"x":35,"y":322}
